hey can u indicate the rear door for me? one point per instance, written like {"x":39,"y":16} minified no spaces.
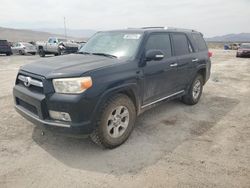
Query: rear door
{"x":183,"y":51}
{"x":159,"y":76}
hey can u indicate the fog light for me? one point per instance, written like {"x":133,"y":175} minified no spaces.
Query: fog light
{"x":59,"y":115}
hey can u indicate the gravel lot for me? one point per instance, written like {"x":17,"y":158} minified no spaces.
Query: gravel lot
{"x":173,"y":145}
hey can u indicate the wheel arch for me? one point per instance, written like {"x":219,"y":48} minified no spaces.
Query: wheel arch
{"x":202,"y":71}
{"x":129,"y":90}
{"x":40,"y":47}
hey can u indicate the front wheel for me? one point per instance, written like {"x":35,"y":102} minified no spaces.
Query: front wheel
{"x":41,"y":52}
{"x":194,"y":93}
{"x":116,"y":122}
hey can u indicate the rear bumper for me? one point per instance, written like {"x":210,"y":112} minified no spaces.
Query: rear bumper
{"x":3,"y":51}
{"x":30,"y":51}
{"x":35,"y":108}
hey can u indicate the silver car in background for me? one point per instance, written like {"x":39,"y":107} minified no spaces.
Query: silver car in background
{"x":23,"y":48}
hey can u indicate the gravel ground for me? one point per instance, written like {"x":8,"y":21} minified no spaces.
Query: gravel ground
{"x":173,"y":145}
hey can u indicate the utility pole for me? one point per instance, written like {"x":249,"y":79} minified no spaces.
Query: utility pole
{"x":65,"y":30}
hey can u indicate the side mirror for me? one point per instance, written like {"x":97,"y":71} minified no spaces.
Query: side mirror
{"x":155,"y":55}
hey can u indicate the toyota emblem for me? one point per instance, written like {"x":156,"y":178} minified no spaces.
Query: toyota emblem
{"x":27,"y":81}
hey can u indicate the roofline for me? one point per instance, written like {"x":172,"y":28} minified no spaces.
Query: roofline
{"x":166,"y":28}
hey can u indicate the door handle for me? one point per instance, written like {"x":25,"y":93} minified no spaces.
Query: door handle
{"x":173,"y":65}
{"x":195,"y":60}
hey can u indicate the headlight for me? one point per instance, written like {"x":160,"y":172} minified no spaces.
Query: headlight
{"x":72,"y":85}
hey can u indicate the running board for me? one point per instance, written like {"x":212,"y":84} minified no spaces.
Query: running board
{"x":161,"y":99}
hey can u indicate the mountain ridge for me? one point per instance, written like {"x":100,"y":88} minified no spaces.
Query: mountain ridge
{"x":239,"y":37}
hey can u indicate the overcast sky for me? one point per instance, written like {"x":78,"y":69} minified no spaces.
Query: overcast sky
{"x":212,"y":17}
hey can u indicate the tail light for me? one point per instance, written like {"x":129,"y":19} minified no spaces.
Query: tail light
{"x":210,"y":54}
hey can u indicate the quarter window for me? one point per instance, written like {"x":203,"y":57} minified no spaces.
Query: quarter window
{"x":181,"y":44}
{"x":200,"y":42}
{"x":159,"y":41}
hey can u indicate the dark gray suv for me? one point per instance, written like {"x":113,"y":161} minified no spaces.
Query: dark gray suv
{"x":115,"y":77}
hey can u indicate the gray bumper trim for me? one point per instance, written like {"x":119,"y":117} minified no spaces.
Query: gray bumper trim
{"x":52,"y":123}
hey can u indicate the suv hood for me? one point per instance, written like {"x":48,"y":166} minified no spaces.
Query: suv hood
{"x":68,"y":65}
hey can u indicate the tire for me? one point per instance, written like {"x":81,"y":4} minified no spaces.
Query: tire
{"x":113,"y":126}
{"x":8,"y":54}
{"x":33,"y":53}
{"x":194,"y":93}
{"x":59,"y":52}
{"x":41,"y":52}
{"x":21,"y":52}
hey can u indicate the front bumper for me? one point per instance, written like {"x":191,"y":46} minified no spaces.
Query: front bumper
{"x":35,"y":106}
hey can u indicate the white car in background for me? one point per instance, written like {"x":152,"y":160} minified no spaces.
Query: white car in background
{"x":23,"y":48}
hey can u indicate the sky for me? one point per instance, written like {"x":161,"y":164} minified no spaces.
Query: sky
{"x":211,"y":17}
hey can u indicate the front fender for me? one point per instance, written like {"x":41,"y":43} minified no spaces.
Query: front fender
{"x":129,"y":87}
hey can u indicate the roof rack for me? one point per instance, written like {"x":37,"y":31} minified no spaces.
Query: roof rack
{"x":166,"y":28}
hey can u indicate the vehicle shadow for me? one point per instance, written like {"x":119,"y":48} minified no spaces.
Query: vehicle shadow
{"x":158,"y":131}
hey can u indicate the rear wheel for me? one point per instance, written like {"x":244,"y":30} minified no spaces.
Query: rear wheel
{"x":8,"y":54}
{"x":116,"y":122}
{"x":41,"y":52}
{"x":59,"y":52}
{"x":194,"y":93}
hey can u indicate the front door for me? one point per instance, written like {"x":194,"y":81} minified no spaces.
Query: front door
{"x":159,"y":76}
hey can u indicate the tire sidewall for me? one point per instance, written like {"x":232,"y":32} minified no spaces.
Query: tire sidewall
{"x":102,"y":128}
{"x":41,"y":53}
{"x":200,"y":78}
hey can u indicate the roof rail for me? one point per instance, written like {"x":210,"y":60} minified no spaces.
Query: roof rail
{"x":166,"y":28}
{"x":152,"y":27}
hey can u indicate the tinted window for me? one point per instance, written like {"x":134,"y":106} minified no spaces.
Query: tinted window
{"x":181,"y":45}
{"x":160,"y":41}
{"x":3,"y":42}
{"x":200,"y":42}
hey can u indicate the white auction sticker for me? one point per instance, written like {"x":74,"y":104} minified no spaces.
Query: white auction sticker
{"x":132,"y":36}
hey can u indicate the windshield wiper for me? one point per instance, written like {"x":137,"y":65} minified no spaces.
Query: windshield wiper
{"x":104,"y":54}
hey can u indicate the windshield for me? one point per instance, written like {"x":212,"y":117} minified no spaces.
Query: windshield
{"x":119,"y":44}
{"x":245,"y":46}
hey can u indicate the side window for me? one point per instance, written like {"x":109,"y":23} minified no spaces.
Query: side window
{"x":200,"y":42}
{"x":50,"y":40}
{"x":181,"y":44}
{"x":159,"y":41}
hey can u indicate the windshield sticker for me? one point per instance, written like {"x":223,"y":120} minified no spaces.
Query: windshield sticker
{"x":132,"y":36}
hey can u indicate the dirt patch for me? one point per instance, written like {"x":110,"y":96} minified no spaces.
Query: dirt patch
{"x":174,"y":145}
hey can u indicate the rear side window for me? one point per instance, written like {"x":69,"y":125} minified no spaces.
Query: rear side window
{"x":200,"y":42}
{"x":159,"y":41}
{"x":181,"y":44}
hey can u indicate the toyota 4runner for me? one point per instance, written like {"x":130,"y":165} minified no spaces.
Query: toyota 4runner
{"x":115,"y":77}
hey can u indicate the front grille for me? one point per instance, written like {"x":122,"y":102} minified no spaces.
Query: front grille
{"x":27,"y":106}
{"x":32,"y":87}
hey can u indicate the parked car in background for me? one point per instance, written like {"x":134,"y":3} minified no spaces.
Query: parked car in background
{"x":5,"y":47}
{"x":56,"y":46}
{"x":115,"y":77}
{"x":23,"y":48}
{"x":231,"y":46}
{"x":244,"y":50}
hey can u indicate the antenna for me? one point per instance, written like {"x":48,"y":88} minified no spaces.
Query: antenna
{"x":65,"y":30}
